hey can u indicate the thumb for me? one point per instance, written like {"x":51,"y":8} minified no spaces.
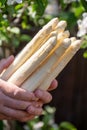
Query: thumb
{"x":4,"y":63}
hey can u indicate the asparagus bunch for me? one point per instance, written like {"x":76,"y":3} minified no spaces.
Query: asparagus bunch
{"x":43,"y":58}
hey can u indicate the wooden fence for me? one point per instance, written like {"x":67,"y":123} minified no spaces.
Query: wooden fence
{"x":70,"y":98}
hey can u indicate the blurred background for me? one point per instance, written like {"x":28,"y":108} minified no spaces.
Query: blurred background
{"x":19,"y":22}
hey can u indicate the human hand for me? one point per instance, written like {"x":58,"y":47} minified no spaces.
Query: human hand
{"x":14,"y":100}
{"x":19,"y":104}
{"x":5,"y":62}
{"x":45,"y":95}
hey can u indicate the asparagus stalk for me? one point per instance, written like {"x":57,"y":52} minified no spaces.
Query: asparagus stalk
{"x":73,"y":39}
{"x":58,"y":29}
{"x":60,"y":64}
{"x":61,"y":26}
{"x":39,"y":75}
{"x":32,"y":63}
{"x":30,"y":48}
{"x":60,"y":37}
{"x":43,"y":58}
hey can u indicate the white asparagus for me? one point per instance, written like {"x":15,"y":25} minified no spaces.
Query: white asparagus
{"x":73,"y":39}
{"x":32,"y":63}
{"x":30,"y":48}
{"x":61,"y":26}
{"x":60,"y":37}
{"x":43,"y":58}
{"x":52,"y":23}
{"x":39,"y":75}
{"x":63,"y":34}
{"x":62,"y":62}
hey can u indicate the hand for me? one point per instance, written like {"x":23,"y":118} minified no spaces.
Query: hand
{"x":14,"y":100}
{"x":19,"y":104}
{"x":4,"y":63}
{"x":45,"y":96}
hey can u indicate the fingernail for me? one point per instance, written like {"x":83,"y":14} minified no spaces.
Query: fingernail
{"x":38,"y":92}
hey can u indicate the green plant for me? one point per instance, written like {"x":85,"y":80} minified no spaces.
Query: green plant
{"x":47,"y":122}
{"x":17,"y":20}
{"x":19,"y":23}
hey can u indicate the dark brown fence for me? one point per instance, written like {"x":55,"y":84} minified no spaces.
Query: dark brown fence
{"x":70,"y":98}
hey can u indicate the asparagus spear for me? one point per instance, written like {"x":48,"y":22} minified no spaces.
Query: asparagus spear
{"x":60,"y":64}
{"x":61,"y":26}
{"x":42,"y":59}
{"x":30,"y":48}
{"x":32,"y":63}
{"x":41,"y":73}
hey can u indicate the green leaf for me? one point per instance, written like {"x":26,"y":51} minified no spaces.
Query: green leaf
{"x":1,"y":125}
{"x":85,"y":54}
{"x":14,"y":30}
{"x":84,"y":3}
{"x":2,"y":2}
{"x":10,"y":9}
{"x":4,"y":36}
{"x":25,"y":38}
{"x":67,"y":126}
{"x":69,"y":17}
{"x":18,"y":6}
{"x":63,"y":5}
{"x":84,"y":45}
{"x":39,"y":6}
{"x":77,"y":9}
{"x":15,"y":42}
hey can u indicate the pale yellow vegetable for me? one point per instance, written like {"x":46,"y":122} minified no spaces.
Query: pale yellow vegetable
{"x":73,"y":39}
{"x":30,"y":48}
{"x":43,"y":58}
{"x":43,"y":70}
{"x":32,"y":63}
{"x":61,"y":26}
{"x":60,"y":37}
{"x":60,"y":64}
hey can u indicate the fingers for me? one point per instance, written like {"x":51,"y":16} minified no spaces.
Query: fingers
{"x":3,"y":117}
{"x":44,"y":96}
{"x":15,"y":114}
{"x":8,"y":113}
{"x":16,"y":92}
{"x":35,"y":111}
{"x":4,"y":63}
{"x":18,"y":110}
{"x":28,"y":118}
{"x":12,"y":103}
{"x":53,"y":85}
{"x":19,"y":105}
{"x":16,"y":104}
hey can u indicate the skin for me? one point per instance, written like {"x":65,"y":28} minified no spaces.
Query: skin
{"x":19,"y":104}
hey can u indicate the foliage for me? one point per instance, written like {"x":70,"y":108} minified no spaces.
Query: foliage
{"x":66,"y":126}
{"x":46,"y":122}
{"x":1,"y":125}
{"x":20,"y":22}
{"x":17,"y":20}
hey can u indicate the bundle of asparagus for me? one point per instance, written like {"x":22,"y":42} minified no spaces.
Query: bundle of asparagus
{"x":43,"y":58}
